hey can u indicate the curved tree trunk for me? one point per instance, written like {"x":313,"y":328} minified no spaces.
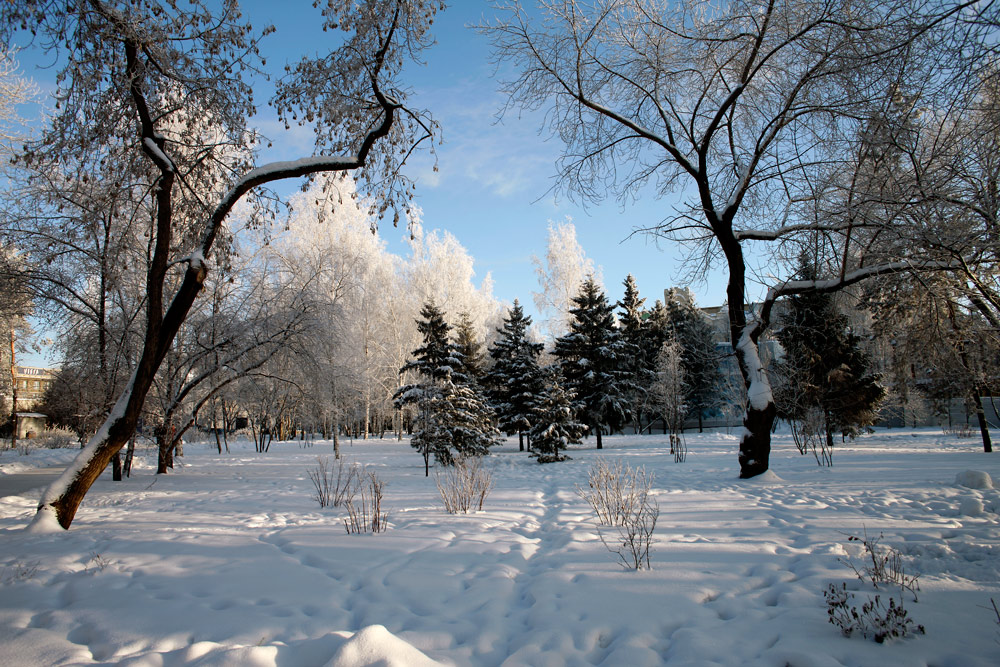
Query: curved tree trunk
{"x":755,"y":445}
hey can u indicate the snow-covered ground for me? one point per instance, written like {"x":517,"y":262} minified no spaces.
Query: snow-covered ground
{"x":229,"y":561}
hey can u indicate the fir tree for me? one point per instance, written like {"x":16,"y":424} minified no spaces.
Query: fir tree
{"x":555,"y":424}
{"x":592,"y":359}
{"x":633,"y":331}
{"x":453,"y":420}
{"x":825,"y":367}
{"x":699,"y":359}
{"x":460,"y":424}
{"x":515,"y":380}
{"x":470,"y":351}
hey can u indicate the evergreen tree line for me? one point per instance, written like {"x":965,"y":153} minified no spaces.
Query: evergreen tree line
{"x":608,"y":370}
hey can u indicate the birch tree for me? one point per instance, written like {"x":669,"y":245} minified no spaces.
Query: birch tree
{"x":749,"y":109}
{"x":566,"y":268}
{"x":138,"y":79}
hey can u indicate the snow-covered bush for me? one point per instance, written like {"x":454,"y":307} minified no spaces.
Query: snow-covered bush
{"x":620,"y":497}
{"x":334,"y":485}
{"x":366,"y":515}
{"x":615,"y":491}
{"x":57,"y":438}
{"x":882,"y":565}
{"x":874,"y":620}
{"x":464,"y":485}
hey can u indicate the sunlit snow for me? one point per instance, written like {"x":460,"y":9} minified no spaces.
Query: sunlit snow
{"x":228,"y":561}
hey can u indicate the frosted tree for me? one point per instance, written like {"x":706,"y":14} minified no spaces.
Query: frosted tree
{"x":252,"y":315}
{"x":441,"y":269}
{"x":433,"y":362}
{"x":15,"y":90}
{"x":592,"y":359}
{"x":667,"y":393}
{"x":15,"y":306}
{"x":332,"y":253}
{"x":566,"y":267}
{"x":515,"y":381}
{"x":555,"y":424}
{"x":749,"y":109}
{"x":165,"y":90}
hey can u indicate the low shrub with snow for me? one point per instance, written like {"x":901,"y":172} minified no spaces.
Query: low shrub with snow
{"x":620,"y":497}
{"x":465,"y":485}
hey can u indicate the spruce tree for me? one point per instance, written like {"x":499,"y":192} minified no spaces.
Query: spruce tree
{"x":470,"y":351}
{"x":825,"y":367}
{"x":555,"y":424}
{"x":515,"y":380}
{"x":453,"y":420}
{"x":592,"y":359}
{"x":633,"y":331}
{"x":434,"y":362}
{"x":699,"y":359}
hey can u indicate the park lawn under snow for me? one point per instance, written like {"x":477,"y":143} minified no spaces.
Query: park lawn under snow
{"x":229,"y":561}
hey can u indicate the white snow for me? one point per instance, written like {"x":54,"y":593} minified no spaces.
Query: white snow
{"x":229,"y":561}
{"x":759,"y":393}
{"x":974,"y":479}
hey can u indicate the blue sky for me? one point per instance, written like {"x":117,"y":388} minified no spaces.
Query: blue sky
{"x":493,"y":189}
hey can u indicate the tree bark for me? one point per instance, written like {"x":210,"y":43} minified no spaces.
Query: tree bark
{"x":984,"y":428}
{"x":13,"y":394}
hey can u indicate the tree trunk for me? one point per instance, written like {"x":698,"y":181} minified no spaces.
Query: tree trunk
{"x":116,"y":467}
{"x":755,"y":445}
{"x":984,"y":428}
{"x":129,"y":454}
{"x":13,"y":393}
{"x":63,"y":497}
{"x":520,"y":440}
{"x":597,"y":430}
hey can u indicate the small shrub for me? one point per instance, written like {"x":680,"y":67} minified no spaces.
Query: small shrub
{"x":366,"y":515}
{"x":883,"y":565}
{"x":633,"y":539}
{"x":620,"y":497}
{"x":875,"y":620}
{"x":333,"y":485}
{"x":465,"y":485}
{"x":97,"y":563}
{"x":18,"y":571}
{"x":615,"y":491}
{"x":678,"y":445}
{"x":58,"y":438}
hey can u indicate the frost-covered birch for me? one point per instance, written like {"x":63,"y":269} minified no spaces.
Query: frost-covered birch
{"x":135,"y":73}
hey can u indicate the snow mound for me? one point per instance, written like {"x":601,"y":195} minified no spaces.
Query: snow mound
{"x":974,"y":479}
{"x":766,"y":477}
{"x":45,"y":523}
{"x":374,"y":646}
{"x":971,"y":507}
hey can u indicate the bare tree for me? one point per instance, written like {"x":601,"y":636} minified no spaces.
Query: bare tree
{"x":748,"y":108}
{"x":139,"y":81}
